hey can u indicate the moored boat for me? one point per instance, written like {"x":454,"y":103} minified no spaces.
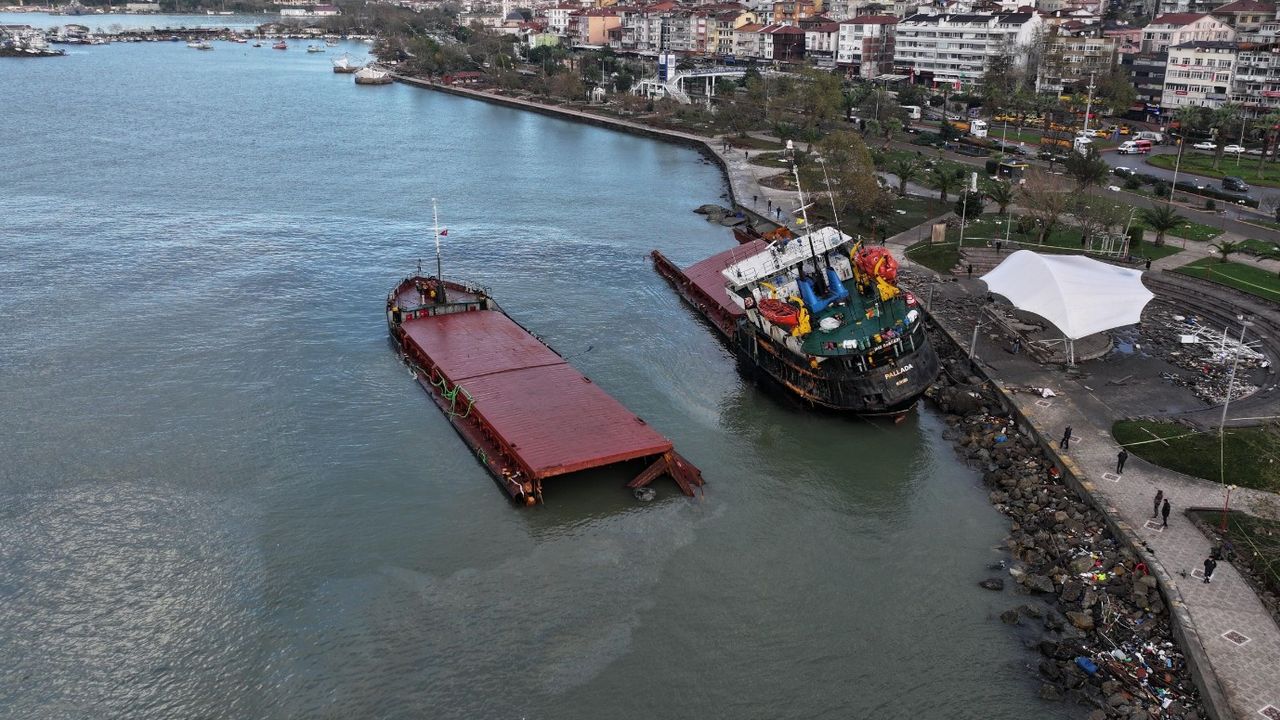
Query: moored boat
{"x":370,"y":75}
{"x":315,"y":48}
{"x":282,"y":45}
{"x":343,"y":64}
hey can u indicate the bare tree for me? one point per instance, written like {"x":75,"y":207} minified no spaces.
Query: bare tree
{"x":1046,"y":200}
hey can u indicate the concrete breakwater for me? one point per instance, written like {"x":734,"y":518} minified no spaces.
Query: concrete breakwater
{"x":1086,"y":585}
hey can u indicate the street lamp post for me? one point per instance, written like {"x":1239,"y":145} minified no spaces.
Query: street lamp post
{"x":1176,"y":164}
{"x":1226,"y":506}
{"x":1222,"y":423}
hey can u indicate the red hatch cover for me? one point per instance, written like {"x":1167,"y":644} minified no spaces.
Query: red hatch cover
{"x":555,"y":419}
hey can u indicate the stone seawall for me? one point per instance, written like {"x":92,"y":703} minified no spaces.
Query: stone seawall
{"x":1212,"y":697}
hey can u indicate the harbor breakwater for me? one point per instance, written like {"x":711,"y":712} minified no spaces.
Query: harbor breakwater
{"x":1086,"y":587}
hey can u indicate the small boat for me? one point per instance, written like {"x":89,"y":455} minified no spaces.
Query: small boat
{"x":372,"y":76}
{"x":257,"y":44}
{"x":343,"y":64}
{"x":331,"y":42}
{"x":779,"y":312}
{"x":202,"y":45}
{"x":282,"y":45}
{"x":315,"y":48}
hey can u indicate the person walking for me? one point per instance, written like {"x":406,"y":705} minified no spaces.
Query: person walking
{"x":969,"y":269}
{"x":1065,"y":442}
{"x":1155,"y":504}
{"x":1120,"y":458}
{"x":1209,"y":565}
{"x":1164,"y":513}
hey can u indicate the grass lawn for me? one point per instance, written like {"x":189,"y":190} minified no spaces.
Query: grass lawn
{"x":1253,"y":246}
{"x":1198,"y":163}
{"x":1189,"y":229}
{"x":939,"y":258}
{"x":915,"y":211}
{"x":1248,"y":454}
{"x":753,"y":143}
{"x":1250,"y":279}
{"x":1256,"y":542}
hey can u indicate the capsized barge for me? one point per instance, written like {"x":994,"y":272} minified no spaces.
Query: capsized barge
{"x":818,"y":315}
{"x":522,"y":409}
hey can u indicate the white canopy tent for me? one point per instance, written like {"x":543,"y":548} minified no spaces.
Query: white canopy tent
{"x":1080,"y":296}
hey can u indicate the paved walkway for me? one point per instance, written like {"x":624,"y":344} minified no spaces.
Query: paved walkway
{"x":1239,"y":636}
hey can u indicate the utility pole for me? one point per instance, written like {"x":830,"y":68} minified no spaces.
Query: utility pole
{"x":1088,"y":106}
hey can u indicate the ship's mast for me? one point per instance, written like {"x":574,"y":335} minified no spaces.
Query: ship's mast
{"x":808,"y":231}
{"x":435,"y":221}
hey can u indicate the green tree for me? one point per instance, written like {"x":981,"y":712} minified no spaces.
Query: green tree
{"x":1086,"y":169}
{"x":1226,"y":247}
{"x":970,"y":204}
{"x":1000,"y":193}
{"x":1045,"y":201}
{"x":1115,"y":92}
{"x":1160,"y":220}
{"x":855,"y":190}
{"x":1000,"y":79}
{"x":1225,"y":121}
{"x":906,"y":169}
{"x":944,"y":180}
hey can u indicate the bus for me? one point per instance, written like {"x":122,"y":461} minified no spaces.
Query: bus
{"x":913,"y":112}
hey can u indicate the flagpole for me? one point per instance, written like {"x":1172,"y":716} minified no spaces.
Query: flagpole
{"x":435,"y":220}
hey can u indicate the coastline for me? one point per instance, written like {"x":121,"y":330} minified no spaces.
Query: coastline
{"x":1070,"y":480}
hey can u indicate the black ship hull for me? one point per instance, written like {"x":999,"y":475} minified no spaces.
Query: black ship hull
{"x":837,"y":384}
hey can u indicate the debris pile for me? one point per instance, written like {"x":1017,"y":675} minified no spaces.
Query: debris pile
{"x":1204,"y":353}
{"x":1101,"y":625}
{"x":721,"y":215}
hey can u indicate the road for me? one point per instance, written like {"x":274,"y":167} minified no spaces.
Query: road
{"x":1265,"y":195}
{"x":1228,"y":220}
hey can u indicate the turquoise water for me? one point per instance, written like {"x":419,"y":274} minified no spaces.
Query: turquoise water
{"x":223,"y":496}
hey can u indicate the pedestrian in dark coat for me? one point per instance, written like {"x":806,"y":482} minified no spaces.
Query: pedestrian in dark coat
{"x":969,"y":269}
{"x":1120,"y":458}
{"x":1164,"y":513}
{"x":1155,"y":504}
{"x":1066,"y":438}
{"x":1209,"y":565}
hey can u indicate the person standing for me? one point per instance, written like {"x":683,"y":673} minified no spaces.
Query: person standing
{"x":1164,"y":513}
{"x":1155,"y":504}
{"x":1065,"y":442}
{"x":969,"y":269}
{"x":1120,"y":458}
{"x":1209,"y":565}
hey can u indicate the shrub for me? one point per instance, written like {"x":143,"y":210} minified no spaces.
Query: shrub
{"x":1210,"y":204}
{"x":1161,"y":188}
{"x":1132,"y":183}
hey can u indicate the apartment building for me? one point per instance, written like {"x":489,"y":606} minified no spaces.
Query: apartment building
{"x":1198,"y":73}
{"x":865,"y":45}
{"x":820,"y":41}
{"x":956,"y":48}
{"x":1069,"y":60}
{"x":1168,"y":30}
{"x":1246,"y":16}
{"x":1256,"y":81}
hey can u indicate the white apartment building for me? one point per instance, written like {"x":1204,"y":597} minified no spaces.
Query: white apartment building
{"x":1256,"y":83}
{"x":558,"y":18}
{"x":1199,"y":73}
{"x":820,"y":42}
{"x":956,"y":48}
{"x":1168,"y":30}
{"x":866,"y":45}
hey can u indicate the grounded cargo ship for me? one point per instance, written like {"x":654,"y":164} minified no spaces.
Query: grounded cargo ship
{"x":522,"y":409}
{"x":820,"y":315}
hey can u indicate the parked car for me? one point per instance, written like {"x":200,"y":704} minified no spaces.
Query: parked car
{"x":1123,"y":171}
{"x":1235,"y":149}
{"x":1234,"y":184}
{"x":1257,"y":151}
{"x":1206,"y":145}
{"x":1191,"y":185}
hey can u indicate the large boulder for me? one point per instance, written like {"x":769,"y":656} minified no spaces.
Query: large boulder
{"x":1037,"y":583}
{"x":1082,"y":620}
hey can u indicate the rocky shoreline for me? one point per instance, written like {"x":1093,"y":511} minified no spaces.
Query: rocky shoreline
{"x":1084,"y":601}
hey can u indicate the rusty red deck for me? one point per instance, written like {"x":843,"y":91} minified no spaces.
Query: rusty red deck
{"x":554,"y":418}
{"x":702,"y":285}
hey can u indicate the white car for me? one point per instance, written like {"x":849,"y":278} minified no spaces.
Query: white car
{"x":1235,"y":149}
{"x":1204,"y":146}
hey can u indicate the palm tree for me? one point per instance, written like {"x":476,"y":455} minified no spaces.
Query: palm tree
{"x":1224,"y":118}
{"x":907,"y":169}
{"x":1001,"y":193}
{"x":1087,"y":169}
{"x":1160,"y":219}
{"x":1226,"y":247}
{"x":944,"y":181}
